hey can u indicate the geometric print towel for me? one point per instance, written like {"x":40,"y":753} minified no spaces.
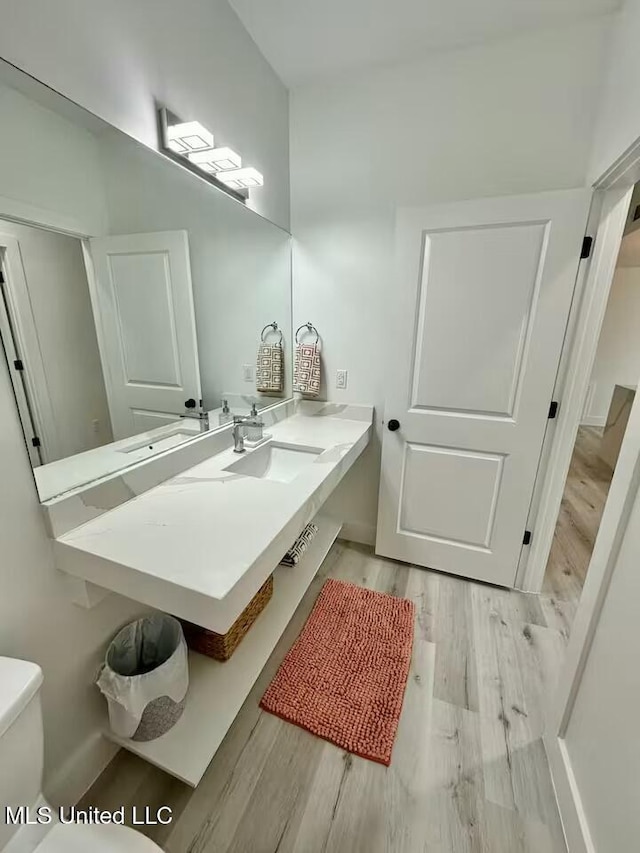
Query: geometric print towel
{"x":270,"y":368}
{"x":297,"y":550}
{"x":306,"y":370}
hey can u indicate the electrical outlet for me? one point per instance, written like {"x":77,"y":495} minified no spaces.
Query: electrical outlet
{"x":95,"y":425}
{"x":247,"y":372}
{"x":341,"y":379}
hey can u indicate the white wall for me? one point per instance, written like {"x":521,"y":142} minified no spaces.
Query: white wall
{"x":50,"y":169}
{"x":508,"y":117}
{"x":113,"y":58}
{"x":116,"y":57}
{"x":38,"y":621}
{"x":618,"y":116}
{"x":602,"y":741}
{"x":61,"y":306}
{"x":602,"y":737}
{"x":618,"y":354}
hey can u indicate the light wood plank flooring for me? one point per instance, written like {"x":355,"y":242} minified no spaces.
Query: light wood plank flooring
{"x":468,"y":775}
{"x":583,"y":501}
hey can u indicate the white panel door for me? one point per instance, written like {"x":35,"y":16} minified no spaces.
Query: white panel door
{"x":143,"y":303}
{"x":477,"y":321}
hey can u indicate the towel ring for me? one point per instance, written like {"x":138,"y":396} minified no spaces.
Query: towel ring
{"x":274,"y":327}
{"x":310,"y":328}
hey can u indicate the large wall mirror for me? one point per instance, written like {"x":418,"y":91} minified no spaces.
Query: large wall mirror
{"x":130,"y":287}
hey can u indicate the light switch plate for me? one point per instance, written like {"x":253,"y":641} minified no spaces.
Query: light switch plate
{"x":247,"y":372}
{"x":342,"y":377}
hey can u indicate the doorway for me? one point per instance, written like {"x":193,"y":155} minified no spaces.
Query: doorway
{"x":605,"y":413}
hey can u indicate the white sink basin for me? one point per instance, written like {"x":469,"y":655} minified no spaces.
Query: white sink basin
{"x":274,"y":462}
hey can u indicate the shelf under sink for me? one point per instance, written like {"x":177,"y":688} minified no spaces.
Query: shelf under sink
{"x":218,"y":690}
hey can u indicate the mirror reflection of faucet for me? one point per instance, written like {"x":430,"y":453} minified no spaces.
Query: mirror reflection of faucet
{"x":195,"y":412}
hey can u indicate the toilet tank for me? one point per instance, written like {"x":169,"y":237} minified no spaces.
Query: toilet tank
{"x":21,"y":738}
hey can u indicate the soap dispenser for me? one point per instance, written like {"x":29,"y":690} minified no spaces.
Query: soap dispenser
{"x":255,"y":426}
{"x":225,"y":416}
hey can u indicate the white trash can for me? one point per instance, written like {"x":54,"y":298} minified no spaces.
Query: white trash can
{"x":145,"y":677}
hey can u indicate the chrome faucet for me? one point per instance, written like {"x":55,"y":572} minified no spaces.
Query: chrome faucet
{"x":240,"y":421}
{"x":197,"y":415}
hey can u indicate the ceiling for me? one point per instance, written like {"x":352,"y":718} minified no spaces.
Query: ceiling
{"x":310,"y":40}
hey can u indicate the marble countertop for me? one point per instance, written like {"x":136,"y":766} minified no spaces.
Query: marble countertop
{"x":202,"y":543}
{"x":56,"y":478}
{"x":62,"y":475}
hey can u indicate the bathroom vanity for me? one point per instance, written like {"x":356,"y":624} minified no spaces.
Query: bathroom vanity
{"x":165,"y":297}
{"x":201,"y":544}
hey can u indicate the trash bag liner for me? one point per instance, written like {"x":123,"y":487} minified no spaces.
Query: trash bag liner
{"x":146,"y":672}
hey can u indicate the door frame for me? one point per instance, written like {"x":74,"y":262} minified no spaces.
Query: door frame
{"x":21,"y":392}
{"x":615,"y":187}
{"x":607,"y":222}
{"x":22,"y":313}
{"x":26,"y":341}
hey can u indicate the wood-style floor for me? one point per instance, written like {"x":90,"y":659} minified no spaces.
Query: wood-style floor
{"x":583,"y":501}
{"x":468,"y":773}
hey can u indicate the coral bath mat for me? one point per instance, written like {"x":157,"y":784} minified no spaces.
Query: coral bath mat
{"x":345,"y":676}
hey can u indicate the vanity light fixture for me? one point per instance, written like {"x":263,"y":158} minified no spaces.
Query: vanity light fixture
{"x":216,"y":160}
{"x":190,"y":143}
{"x":188,"y":136}
{"x":241,"y":179}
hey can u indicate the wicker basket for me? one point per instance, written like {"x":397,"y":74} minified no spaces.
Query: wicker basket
{"x":222,"y":646}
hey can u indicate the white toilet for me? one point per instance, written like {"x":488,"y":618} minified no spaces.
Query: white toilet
{"x":21,"y":757}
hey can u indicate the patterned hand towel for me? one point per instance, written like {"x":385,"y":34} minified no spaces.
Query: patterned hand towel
{"x":270,"y":368}
{"x":297,"y":550}
{"x":306,"y":369}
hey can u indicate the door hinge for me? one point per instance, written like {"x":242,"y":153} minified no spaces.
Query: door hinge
{"x":526,"y":539}
{"x":18,"y":364}
{"x":587,"y":245}
{"x":35,"y":441}
{"x":553,"y":410}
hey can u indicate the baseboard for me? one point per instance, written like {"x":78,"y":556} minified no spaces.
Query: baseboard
{"x":355,"y":531}
{"x":594,"y":421}
{"x":574,"y":821}
{"x":70,"y":782}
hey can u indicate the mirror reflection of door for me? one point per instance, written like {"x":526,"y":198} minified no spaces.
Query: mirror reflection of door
{"x":93,"y":365}
{"x":100,"y":340}
{"x":146,"y":326}
{"x":99,"y":331}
